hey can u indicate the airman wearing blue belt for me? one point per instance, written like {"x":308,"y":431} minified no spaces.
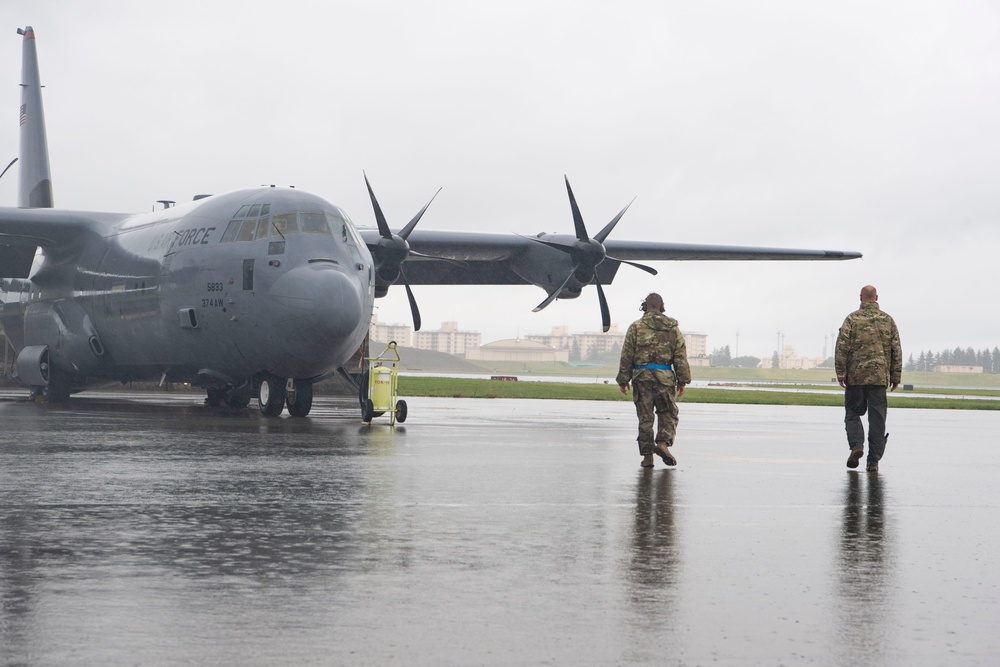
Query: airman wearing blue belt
{"x":654,"y":361}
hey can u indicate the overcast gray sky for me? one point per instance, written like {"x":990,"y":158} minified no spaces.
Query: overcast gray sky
{"x":865,"y":126}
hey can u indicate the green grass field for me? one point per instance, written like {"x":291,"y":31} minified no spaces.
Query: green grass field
{"x":477,"y":388}
{"x":817,"y":376}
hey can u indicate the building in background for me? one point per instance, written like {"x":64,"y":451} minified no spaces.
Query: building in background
{"x":448,"y":339}
{"x":697,"y":349}
{"x":957,"y":368}
{"x":581,"y":346}
{"x":386,"y":333}
{"x":790,"y":360}
{"x":596,"y":344}
{"x":516,"y":349}
{"x":559,"y":345}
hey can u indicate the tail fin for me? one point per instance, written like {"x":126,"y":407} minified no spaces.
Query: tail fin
{"x":34,"y":180}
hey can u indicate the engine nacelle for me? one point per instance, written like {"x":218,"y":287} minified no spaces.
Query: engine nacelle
{"x":65,"y":328}
{"x":33,"y":367}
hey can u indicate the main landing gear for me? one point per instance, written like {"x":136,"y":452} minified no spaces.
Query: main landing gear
{"x":274,"y":393}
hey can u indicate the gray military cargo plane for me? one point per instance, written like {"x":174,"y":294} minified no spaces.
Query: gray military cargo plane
{"x":258,"y":292}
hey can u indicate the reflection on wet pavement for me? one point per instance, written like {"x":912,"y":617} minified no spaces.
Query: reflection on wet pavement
{"x":154,"y":530}
{"x":865,"y":567}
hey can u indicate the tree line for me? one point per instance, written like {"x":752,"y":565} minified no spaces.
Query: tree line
{"x":721,"y":356}
{"x":988,"y":360}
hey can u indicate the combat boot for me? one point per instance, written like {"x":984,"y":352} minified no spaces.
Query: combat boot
{"x":647,"y":461}
{"x":856,"y":454}
{"x":664,"y":453}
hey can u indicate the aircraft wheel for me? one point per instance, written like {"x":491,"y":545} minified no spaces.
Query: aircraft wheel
{"x":238,"y":400}
{"x":303,"y":402}
{"x":271,"y":395}
{"x":214,"y":398}
{"x":367,"y":411}
{"x":57,"y":390}
{"x":401,"y":411}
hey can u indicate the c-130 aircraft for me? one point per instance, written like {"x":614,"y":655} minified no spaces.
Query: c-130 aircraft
{"x":257,"y":292}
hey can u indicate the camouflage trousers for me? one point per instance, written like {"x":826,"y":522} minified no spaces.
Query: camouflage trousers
{"x":859,"y":399}
{"x":653,"y":398}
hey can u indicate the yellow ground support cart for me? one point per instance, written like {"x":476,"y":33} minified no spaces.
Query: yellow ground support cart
{"x":380,"y":393}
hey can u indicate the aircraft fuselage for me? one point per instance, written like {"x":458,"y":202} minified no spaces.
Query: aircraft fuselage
{"x":214,"y":292}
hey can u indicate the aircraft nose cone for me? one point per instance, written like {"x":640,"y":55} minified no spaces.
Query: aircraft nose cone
{"x":318,"y":307}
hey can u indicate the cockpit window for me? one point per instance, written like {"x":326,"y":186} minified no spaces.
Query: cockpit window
{"x":285,"y":224}
{"x":263,"y":226}
{"x":231,"y":231}
{"x":314,"y":223}
{"x":248,"y":229}
{"x":255,"y":222}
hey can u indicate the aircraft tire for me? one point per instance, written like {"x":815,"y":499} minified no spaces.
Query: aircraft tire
{"x":367,"y":411}
{"x":238,"y":400}
{"x":303,"y":399}
{"x":57,"y":390}
{"x":214,"y":398}
{"x":401,"y":411}
{"x":271,"y":395}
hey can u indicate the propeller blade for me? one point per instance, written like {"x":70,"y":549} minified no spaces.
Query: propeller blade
{"x":413,"y":223}
{"x":552,"y":295}
{"x":648,"y":269}
{"x":11,"y":164}
{"x":413,"y":302}
{"x":383,"y":226}
{"x":581,"y":231}
{"x":605,"y":312}
{"x":603,"y":234}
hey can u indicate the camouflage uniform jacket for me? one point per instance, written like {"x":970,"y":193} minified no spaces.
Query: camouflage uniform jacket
{"x":868,"y":349}
{"x":655,"y":339}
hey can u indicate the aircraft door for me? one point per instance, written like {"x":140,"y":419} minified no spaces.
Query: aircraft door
{"x":241,"y":306}
{"x":248,"y":275}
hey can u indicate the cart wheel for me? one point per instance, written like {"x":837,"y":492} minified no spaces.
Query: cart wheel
{"x":367,"y":411}
{"x":401,"y":411}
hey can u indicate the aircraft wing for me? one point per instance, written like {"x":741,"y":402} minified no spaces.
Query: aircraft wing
{"x":651,"y":250}
{"x":24,"y":229}
{"x":561,"y":264}
{"x":473,"y":258}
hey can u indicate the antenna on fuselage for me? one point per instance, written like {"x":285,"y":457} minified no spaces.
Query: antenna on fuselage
{"x":167,"y":203}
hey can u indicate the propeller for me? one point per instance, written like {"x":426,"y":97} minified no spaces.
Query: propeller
{"x":586,"y":254}
{"x":393,"y":249}
{"x":9,"y":165}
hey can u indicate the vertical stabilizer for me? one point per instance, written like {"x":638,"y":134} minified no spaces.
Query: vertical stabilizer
{"x":34,"y":180}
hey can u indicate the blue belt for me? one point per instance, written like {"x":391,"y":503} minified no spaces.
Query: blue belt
{"x":654,"y":367}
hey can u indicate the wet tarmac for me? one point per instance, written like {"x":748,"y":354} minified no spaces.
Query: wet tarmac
{"x":154,"y":530}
